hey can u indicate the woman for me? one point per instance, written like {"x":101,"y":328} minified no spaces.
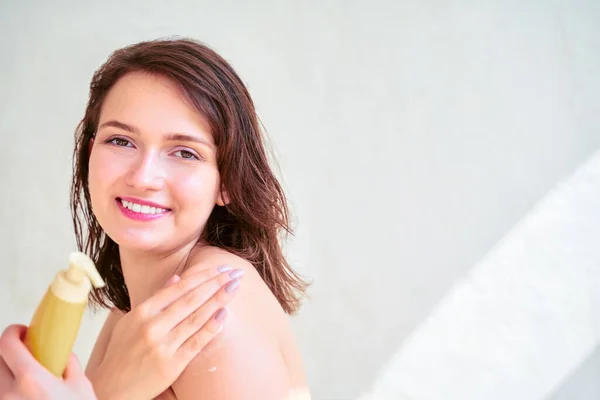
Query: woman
{"x":171,"y":178}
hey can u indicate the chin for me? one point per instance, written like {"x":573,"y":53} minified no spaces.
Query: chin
{"x":139,"y":241}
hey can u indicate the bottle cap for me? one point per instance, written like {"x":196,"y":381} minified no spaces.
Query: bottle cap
{"x":75,"y":283}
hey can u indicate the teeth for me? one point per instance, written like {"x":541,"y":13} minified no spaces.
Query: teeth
{"x":141,"y":209}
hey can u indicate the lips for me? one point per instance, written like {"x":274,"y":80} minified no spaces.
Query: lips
{"x":138,"y":205}
{"x":141,"y":210}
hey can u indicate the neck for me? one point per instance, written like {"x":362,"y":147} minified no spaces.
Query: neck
{"x":146,"y":273}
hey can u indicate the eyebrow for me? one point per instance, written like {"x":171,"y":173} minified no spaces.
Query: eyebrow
{"x":172,"y":137}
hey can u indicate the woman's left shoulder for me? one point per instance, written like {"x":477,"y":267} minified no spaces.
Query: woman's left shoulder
{"x":253,"y":294}
{"x":211,"y":256}
{"x":252,"y":335}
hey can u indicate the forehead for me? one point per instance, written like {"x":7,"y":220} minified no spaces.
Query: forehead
{"x":153,"y":104}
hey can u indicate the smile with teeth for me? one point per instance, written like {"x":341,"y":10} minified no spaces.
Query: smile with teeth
{"x":138,"y":208}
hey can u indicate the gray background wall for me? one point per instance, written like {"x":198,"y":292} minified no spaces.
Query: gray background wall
{"x":411,"y":135}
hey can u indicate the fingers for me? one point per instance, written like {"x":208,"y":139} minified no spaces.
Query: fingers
{"x":173,"y":290}
{"x":16,"y":356}
{"x":173,"y":279}
{"x":7,"y":379}
{"x":185,"y":307}
{"x":207,"y":317}
{"x":201,"y":338}
{"x":29,"y":374}
{"x":73,"y":371}
{"x":75,"y":377}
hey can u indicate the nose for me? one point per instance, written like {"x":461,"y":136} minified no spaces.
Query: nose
{"x":146,"y":173}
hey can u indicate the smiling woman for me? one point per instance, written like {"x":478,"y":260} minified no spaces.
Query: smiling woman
{"x":174,"y":200}
{"x":171,"y":177}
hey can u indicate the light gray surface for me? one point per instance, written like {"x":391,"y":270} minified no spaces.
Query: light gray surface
{"x":583,"y":382}
{"x":412,"y":136}
{"x":523,"y":319}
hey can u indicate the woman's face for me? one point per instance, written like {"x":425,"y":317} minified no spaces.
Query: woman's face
{"x":153,"y":174}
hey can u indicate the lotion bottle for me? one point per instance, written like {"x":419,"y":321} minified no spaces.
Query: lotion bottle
{"x":55,"y":324}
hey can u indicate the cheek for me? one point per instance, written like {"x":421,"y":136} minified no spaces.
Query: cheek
{"x":196,"y":191}
{"x":104,"y":168}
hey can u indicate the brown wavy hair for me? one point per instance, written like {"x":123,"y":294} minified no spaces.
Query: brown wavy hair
{"x":251,"y":225}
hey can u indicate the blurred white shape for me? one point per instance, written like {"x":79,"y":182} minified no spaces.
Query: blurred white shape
{"x":523,"y":318}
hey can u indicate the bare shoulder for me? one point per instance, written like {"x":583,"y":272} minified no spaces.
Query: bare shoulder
{"x":210,"y":257}
{"x":255,"y":355}
{"x":255,"y":300}
{"x":254,"y":306}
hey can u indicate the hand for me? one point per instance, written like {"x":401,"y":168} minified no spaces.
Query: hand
{"x":22,"y":377}
{"x":152,"y":344}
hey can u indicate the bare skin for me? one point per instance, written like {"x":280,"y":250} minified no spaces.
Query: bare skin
{"x":257,"y":332}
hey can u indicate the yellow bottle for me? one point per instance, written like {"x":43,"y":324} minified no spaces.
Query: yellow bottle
{"x":55,"y":324}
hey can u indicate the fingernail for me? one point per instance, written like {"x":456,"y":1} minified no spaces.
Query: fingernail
{"x":220,"y":315}
{"x":236,"y":273}
{"x":231,"y":286}
{"x":224,"y":268}
{"x":173,"y":279}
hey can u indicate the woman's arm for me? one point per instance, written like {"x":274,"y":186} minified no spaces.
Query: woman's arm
{"x":245,"y":361}
{"x":152,"y":344}
{"x":102,"y":341}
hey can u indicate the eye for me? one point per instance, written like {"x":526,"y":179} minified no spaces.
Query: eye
{"x":186,"y":155}
{"x":119,"y":142}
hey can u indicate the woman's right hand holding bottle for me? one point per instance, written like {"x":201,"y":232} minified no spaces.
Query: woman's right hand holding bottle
{"x":152,"y":344}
